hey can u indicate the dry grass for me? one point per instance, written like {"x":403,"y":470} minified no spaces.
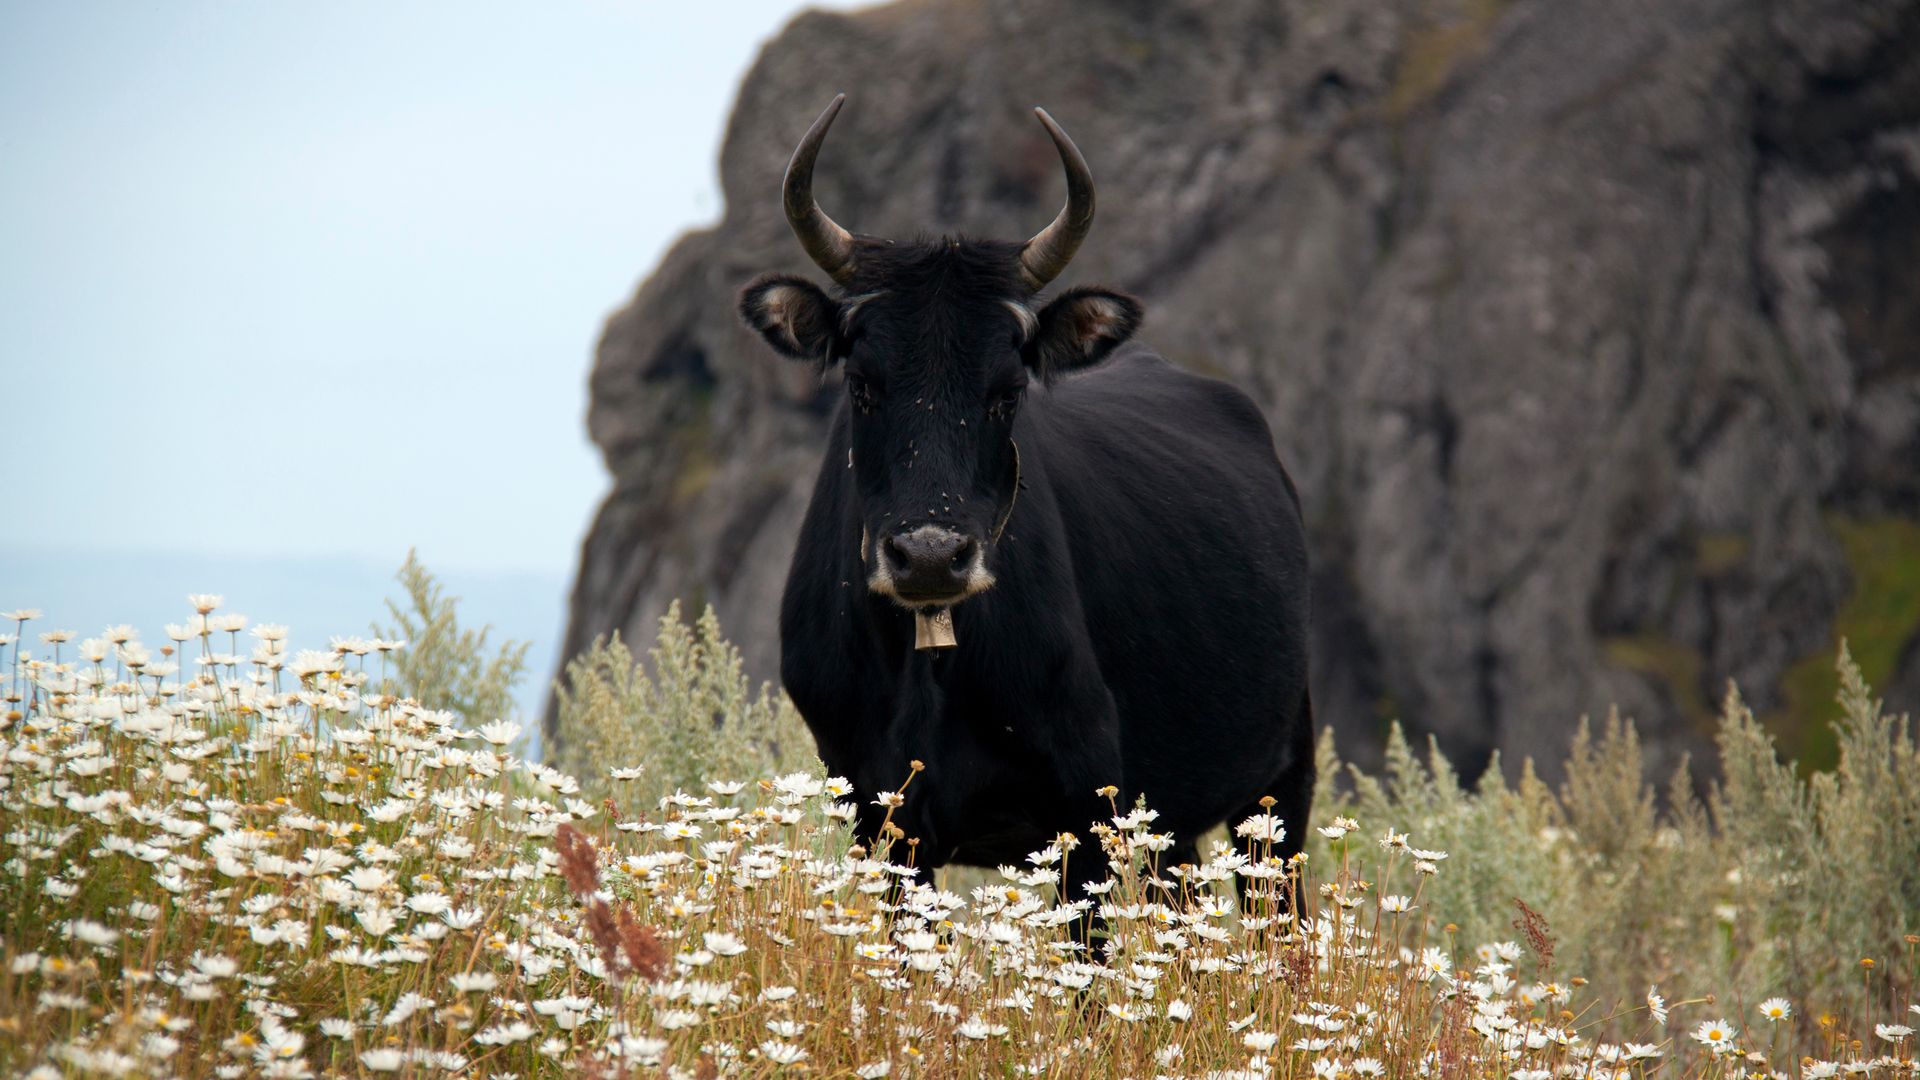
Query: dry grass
{"x":268,"y":864}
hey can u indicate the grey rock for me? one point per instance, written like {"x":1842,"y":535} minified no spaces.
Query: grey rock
{"x":1575,"y":321}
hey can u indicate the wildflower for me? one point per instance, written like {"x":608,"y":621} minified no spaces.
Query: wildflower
{"x":798,"y":786}
{"x":310,"y":662}
{"x":781,"y":1053}
{"x":215,"y":967}
{"x":499,"y":732}
{"x":918,"y":940}
{"x":204,"y":603}
{"x":430,"y":903}
{"x":1656,"y":1005}
{"x":376,"y":921}
{"x":504,"y":1034}
{"x":1775,"y":1009}
{"x":277,"y":1042}
{"x":978,"y":1029}
{"x":1715,"y":1035}
{"x":723,"y":944}
{"x":1892,"y":1032}
{"x":463,"y":918}
{"x":1262,"y":828}
{"x":1179,"y":1011}
{"x":874,"y":1071}
{"x":1396,"y":904}
{"x":469,"y":982}
{"x":632,"y":773}
{"x":1259,"y":1041}
{"x":92,"y":933}
{"x":383,"y":1060}
{"x":675,"y":1019}
{"x":335,"y":1028}
{"x":369,"y":879}
{"x":404,"y":1009}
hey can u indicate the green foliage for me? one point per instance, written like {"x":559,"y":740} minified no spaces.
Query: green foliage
{"x":695,"y":718}
{"x":1773,"y":884}
{"x":1878,"y":619}
{"x":445,"y":666}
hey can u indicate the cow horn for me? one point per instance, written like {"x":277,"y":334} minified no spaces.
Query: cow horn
{"x":1048,"y":253}
{"x":829,"y":245}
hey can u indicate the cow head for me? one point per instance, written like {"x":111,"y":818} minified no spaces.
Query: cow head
{"x":940,"y":340}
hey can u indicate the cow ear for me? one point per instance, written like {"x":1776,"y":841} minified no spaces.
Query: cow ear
{"x":796,"y":316}
{"x":1080,"y":327}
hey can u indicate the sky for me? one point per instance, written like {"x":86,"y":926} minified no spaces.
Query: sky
{"x":325,"y":279}
{"x":288,"y":289}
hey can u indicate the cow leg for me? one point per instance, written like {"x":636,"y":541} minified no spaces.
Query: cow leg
{"x":1292,"y":792}
{"x":868,"y":828}
{"x":1086,"y":866}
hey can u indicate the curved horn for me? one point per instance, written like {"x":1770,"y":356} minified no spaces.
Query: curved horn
{"x":829,"y":245}
{"x":1049,"y":252}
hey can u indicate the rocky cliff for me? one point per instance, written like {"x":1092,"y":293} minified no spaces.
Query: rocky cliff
{"x":1590,"y":329}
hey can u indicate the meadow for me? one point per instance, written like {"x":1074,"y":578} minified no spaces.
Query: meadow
{"x":226,"y":854}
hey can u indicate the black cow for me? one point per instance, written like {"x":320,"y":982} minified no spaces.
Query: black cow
{"x":1038,"y":559}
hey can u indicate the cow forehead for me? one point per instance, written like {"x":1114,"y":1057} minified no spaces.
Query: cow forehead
{"x":936,"y":311}
{"x":902,"y":328}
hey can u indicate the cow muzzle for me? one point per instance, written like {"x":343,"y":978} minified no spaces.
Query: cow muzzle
{"x":929,"y":569}
{"x":932,"y":566}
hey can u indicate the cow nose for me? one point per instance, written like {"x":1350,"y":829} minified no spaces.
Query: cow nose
{"x":930,"y":561}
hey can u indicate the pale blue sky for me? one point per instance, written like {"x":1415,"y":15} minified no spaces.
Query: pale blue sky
{"x":288,"y":288}
{"x":324,"y":279}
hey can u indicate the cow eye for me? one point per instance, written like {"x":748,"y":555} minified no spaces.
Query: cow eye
{"x":862,"y":393}
{"x":1005,"y":403}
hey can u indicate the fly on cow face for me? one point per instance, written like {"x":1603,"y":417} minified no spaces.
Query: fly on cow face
{"x":939,"y":341}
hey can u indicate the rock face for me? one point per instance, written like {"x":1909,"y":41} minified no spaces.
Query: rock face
{"x":1586,"y":327}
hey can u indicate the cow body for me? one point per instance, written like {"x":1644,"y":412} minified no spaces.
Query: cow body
{"x":1148,"y":630}
{"x":1114,"y":542}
